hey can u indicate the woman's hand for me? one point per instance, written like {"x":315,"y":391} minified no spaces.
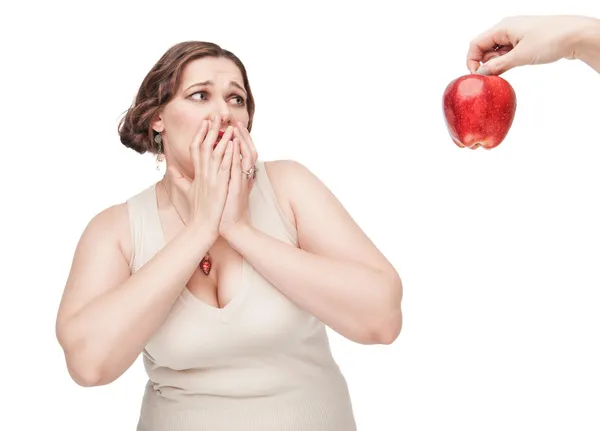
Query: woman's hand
{"x":235,"y":213}
{"x":207,"y":192}
{"x":526,"y":40}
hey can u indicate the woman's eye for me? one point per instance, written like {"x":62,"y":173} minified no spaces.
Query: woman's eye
{"x":200,"y":95}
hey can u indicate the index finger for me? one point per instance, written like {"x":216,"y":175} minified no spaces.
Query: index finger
{"x":195,"y":147}
{"x":486,"y":42}
{"x":245,"y":134}
{"x":211,"y":137}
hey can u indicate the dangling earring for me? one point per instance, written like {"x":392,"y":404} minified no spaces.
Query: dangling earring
{"x":160,"y":157}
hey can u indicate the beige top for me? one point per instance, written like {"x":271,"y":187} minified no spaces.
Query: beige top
{"x":258,"y":364}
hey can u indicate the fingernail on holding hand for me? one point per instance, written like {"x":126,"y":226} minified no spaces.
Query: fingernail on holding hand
{"x":483,"y":70}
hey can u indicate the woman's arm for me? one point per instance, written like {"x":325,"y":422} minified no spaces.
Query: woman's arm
{"x":106,"y":315}
{"x":337,"y":274}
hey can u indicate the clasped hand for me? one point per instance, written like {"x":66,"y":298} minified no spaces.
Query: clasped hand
{"x":241,"y":181}
{"x":219,"y":192}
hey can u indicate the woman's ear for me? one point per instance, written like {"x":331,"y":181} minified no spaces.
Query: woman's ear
{"x":157,"y":123}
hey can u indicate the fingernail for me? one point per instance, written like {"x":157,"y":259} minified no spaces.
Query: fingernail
{"x":483,"y":70}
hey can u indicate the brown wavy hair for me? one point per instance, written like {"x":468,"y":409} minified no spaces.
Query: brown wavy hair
{"x":159,"y":87}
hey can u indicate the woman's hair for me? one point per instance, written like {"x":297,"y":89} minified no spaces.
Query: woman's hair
{"x":159,"y":87}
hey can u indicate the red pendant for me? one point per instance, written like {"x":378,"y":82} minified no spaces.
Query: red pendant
{"x":206,"y":264}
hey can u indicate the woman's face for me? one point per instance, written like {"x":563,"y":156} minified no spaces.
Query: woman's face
{"x":209,"y":86}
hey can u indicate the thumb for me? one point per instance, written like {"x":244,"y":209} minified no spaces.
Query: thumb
{"x":500,"y":64}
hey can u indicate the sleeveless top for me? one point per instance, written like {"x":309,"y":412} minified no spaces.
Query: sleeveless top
{"x":259,"y":364}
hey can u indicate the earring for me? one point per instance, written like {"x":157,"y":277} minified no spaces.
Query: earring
{"x":160,"y":157}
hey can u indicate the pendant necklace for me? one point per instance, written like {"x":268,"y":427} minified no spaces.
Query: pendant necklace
{"x":206,"y":263}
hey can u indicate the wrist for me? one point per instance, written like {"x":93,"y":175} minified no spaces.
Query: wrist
{"x":586,"y":42}
{"x":202,"y":232}
{"x":235,"y":231}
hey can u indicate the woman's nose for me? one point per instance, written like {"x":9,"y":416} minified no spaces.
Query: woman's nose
{"x":225,"y":114}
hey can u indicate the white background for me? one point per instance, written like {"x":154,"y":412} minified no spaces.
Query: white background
{"x":498,"y":250}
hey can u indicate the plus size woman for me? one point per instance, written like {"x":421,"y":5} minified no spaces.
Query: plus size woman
{"x":225,"y":273}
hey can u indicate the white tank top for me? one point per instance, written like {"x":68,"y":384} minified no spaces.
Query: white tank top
{"x":259,"y":364}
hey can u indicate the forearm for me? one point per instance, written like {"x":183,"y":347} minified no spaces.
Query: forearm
{"x":587,"y":44}
{"x":106,"y":336}
{"x":359,"y":302}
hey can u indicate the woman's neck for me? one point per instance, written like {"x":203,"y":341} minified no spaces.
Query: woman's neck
{"x":174,"y":197}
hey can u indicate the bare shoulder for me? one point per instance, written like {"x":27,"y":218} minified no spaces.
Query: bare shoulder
{"x":111,"y":225}
{"x":116,"y":215}
{"x":287,"y":178}
{"x":285,"y":167}
{"x":294,"y":183}
{"x":286,"y":175}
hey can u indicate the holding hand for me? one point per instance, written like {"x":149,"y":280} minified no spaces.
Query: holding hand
{"x":527,"y":40}
{"x":235,"y":212}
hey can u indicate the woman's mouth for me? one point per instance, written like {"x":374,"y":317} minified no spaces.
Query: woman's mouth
{"x":219,"y":137}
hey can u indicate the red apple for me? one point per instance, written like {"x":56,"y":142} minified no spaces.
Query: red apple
{"x":479,"y":110}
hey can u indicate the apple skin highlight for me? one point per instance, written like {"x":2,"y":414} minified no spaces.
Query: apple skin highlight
{"x":479,"y":110}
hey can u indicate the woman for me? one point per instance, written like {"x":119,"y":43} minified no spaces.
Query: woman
{"x":225,"y":272}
